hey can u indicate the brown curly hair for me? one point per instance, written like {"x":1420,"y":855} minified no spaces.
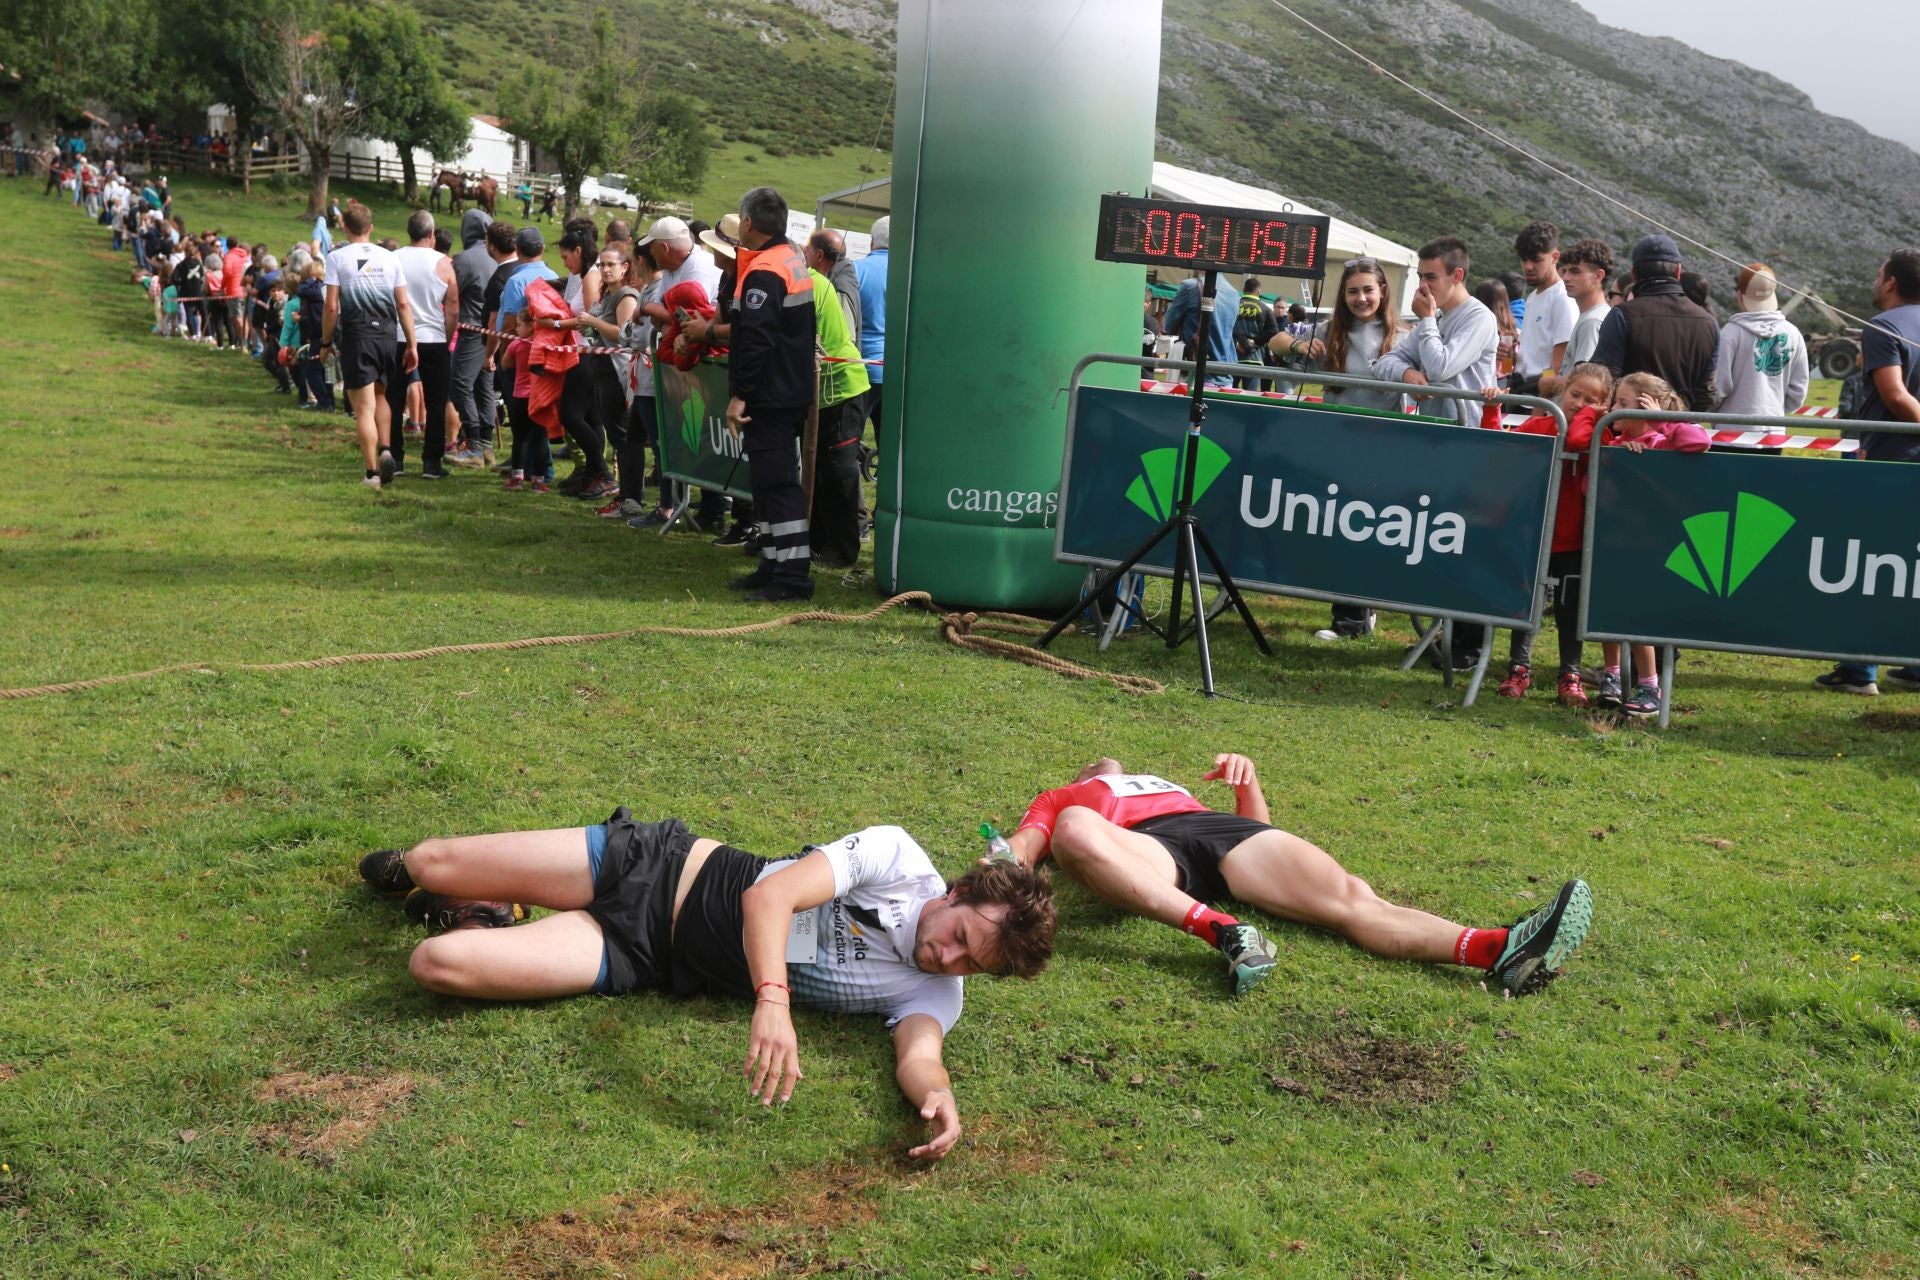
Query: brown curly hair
{"x":1026,"y":932}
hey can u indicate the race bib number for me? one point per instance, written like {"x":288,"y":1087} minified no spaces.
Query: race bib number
{"x":803,"y":938}
{"x":1140,"y":784}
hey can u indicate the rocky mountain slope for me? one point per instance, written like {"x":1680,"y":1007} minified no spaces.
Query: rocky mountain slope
{"x":1728,"y":155}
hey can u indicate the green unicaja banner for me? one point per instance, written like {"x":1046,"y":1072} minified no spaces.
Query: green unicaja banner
{"x":1798,"y":556}
{"x":1013,"y":117}
{"x":695,"y":445}
{"x":1386,"y":510}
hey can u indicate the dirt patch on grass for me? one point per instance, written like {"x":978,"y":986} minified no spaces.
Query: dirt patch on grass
{"x":675,"y":1234}
{"x":1356,"y":1068}
{"x":337,"y":1114}
{"x":1891,"y":721}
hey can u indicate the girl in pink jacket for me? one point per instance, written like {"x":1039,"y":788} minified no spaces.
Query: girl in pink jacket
{"x":1644,"y":391}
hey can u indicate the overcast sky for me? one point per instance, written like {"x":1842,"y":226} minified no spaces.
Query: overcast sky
{"x":1854,"y":58}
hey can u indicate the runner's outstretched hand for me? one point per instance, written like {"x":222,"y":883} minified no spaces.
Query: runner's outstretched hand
{"x":943,"y":1114}
{"x":773,"y":1053}
{"x":1234,"y":770}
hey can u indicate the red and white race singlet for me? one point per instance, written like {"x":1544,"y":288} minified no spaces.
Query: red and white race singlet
{"x":1124,"y":799}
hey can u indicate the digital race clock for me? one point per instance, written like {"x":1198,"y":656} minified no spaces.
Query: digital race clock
{"x":1199,"y":237}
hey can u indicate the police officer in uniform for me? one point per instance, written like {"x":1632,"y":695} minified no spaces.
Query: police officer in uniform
{"x":771,"y":381}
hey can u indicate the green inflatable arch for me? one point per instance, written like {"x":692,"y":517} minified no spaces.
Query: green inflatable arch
{"x":1013,"y":117}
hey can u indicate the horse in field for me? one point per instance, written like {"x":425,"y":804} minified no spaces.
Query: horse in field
{"x":461,"y":186}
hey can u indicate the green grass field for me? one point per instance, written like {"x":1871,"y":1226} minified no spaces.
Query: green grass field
{"x":213,"y":1062}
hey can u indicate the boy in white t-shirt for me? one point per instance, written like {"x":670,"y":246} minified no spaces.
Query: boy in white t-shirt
{"x":1548,"y":326}
{"x":864,"y":924}
{"x":1585,"y":266}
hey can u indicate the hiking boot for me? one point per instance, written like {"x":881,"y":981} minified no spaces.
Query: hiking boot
{"x":1249,"y":957}
{"x":1572,"y":692}
{"x":385,"y":871}
{"x":1519,"y":680}
{"x":437,"y":911}
{"x":1608,"y":695}
{"x":1839,"y":681}
{"x":1539,"y":945}
{"x":1643,"y":701}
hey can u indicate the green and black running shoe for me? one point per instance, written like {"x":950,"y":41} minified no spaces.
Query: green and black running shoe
{"x":1249,"y":956}
{"x":437,"y":911}
{"x":1539,"y":945}
{"x":385,"y":871}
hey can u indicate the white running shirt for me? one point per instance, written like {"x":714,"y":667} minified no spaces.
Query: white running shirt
{"x":862,"y":938}
{"x":426,"y":291}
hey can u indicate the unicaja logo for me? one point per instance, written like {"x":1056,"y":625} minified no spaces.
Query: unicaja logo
{"x":1723,"y":548}
{"x":692,"y":414}
{"x":1156,"y":490}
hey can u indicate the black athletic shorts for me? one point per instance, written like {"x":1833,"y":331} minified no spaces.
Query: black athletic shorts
{"x":1198,"y":841}
{"x":368,"y":358}
{"x":633,"y":905}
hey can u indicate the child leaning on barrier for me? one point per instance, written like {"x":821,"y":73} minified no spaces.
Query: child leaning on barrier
{"x":1644,"y":391}
{"x":1584,"y":395}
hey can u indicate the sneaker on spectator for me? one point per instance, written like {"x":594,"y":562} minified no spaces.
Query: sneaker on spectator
{"x":734,"y":537}
{"x":1572,"y":692}
{"x":1643,"y":701}
{"x":611,"y":511}
{"x":540,"y":485}
{"x":599,"y":488}
{"x":650,"y":519}
{"x":388,"y":467}
{"x":1842,"y":681}
{"x":372,"y":482}
{"x":1902,"y":677}
{"x":516,"y":481}
{"x":432,"y":475}
{"x":1519,"y":680}
{"x":1609,"y":692}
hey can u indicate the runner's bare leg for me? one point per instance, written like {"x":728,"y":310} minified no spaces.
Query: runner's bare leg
{"x":1293,"y":878}
{"x":1123,"y":868}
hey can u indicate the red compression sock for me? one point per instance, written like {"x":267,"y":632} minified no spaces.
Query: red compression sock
{"x":1479,"y":948}
{"x":1205,"y":923}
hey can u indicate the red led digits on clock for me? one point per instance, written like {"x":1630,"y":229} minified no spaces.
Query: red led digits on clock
{"x":1205,"y":238}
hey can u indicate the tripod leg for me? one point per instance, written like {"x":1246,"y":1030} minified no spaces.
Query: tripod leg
{"x":1232,"y":590}
{"x":1183,"y":567}
{"x":1191,"y":561}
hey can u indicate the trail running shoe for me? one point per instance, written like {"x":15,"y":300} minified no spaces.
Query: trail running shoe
{"x":388,"y":467}
{"x":1608,"y":695}
{"x":1249,"y":956}
{"x":1643,"y":701}
{"x":385,"y":871}
{"x":437,"y":911}
{"x":1572,"y":692}
{"x":1539,"y":945}
{"x":1519,"y":680}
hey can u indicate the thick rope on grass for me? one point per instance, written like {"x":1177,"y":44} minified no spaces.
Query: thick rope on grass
{"x":956,"y":628}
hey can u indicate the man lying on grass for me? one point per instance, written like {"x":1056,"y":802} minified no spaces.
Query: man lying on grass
{"x":863,"y":925}
{"x":1146,"y":846}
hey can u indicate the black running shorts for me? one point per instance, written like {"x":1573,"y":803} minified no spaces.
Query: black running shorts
{"x":633,"y":900}
{"x":366,"y":359}
{"x":1198,"y":841}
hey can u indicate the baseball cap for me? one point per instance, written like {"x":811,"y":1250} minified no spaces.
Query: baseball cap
{"x":724,"y":238}
{"x":667,"y":228}
{"x":1655,"y":248}
{"x":529,"y":240}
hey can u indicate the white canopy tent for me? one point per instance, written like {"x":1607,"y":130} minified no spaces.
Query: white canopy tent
{"x":1170,"y":182}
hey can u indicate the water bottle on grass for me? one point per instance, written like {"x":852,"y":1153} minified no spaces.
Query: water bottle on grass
{"x":998,"y":850}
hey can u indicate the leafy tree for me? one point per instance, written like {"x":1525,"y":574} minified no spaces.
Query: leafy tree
{"x":596,"y":117}
{"x":221,"y":50}
{"x":69,"y":54}
{"x":308,"y":84}
{"x":407,"y":104}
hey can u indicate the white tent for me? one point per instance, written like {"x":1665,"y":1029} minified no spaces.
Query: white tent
{"x":1170,"y":182}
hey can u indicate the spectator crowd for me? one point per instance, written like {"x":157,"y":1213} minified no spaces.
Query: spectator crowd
{"x":498,"y":361}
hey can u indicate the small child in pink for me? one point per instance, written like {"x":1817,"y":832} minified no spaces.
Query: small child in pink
{"x":1644,"y":391}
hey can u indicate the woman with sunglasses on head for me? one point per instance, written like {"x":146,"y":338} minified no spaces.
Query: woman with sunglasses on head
{"x":1363,"y":327}
{"x":611,"y":375}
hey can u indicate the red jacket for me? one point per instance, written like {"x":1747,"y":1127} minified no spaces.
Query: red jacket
{"x":1570,"y":512}
{"x":688,"y":295}
{"x":552,"y":353}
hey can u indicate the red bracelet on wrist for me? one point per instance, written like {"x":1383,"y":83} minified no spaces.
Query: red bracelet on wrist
{"x":783,"y":986}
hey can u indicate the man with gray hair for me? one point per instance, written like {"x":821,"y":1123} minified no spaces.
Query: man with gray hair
{"x":669,"y":242}
{"x":771,"y":378}
{"x":472,"y":387}
{"x":434,"y":292}
{"x":827,"y":254}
